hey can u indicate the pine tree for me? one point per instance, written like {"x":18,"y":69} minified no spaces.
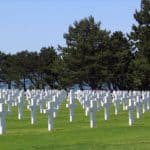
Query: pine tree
{"x":84,"y":55}
{"x":140,"y":38}
{"x":141,"y":33}
{"x":119,"y":58}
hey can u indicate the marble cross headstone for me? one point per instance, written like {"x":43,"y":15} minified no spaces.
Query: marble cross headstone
{"x":86,"y":104}
{"x":71,"y":106}
{"x":138,"y":107}
{"x":49,"y":111}
{"x":92,"y":110}
{"x":2,"y":118}
{"x":130,"y":109}
{"x":33,"y":108}
{"x":20,"y":107}
{"x":106,"y":106}
{"x":116,"y":102}
{"x":144,"y":103}
{"x":148,"y":100}
{"x":55,"y":105}
{"x":41,"y":102}
{"x":124,"y":100}
{"x":9,"y":103}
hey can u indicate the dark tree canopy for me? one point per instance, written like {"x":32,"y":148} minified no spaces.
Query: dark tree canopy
{"x":140,"y":38}
{"x":119,"y":58}
{"x":83,"y":56}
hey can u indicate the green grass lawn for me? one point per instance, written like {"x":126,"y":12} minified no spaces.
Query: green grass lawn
{"x":112,"y":134}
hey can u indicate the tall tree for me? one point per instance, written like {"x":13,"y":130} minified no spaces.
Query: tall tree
{"x":47,"y":66}
{"x":22,"y":64}
{"x":7,"y":69}
{"x":119,"y":58}
{"x":140,"y":38}
{"x":2,"y":59}
{"x":83,"y":56}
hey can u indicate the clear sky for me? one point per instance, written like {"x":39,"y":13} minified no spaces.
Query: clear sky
{"x":32,"y":24}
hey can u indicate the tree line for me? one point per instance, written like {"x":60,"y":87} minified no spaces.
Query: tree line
{"x":92,"y":57}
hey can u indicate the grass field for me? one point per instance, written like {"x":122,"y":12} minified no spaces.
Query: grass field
{"x":114,"y":134}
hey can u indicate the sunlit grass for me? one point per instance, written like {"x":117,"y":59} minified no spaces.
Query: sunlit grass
{"x":112,"y":134}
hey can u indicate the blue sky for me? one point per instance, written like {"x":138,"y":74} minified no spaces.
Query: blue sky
{"x":32,"y":24}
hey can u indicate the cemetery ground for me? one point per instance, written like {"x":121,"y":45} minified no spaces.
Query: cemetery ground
{"x":114,"y":134}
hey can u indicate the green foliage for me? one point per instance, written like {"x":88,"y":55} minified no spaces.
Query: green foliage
{"x":26,"y":66}
{"x":140,"y":72}
{"x":48,"y":59}
{"x":119,"y":58}
{"x":141,"y":32}
{"x":140,"y":38}
{"x":30,"y":67}
{"x":7,"y":69}
{"x":83,"y":56}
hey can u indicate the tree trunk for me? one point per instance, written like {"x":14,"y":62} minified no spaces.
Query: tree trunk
{"x":24,"y":84}
{"x":81,"y":87}
{"x":9,"y":84}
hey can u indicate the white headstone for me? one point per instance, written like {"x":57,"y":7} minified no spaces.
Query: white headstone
{"x":92,"y":110}
{"x":144,"y":103}
{"x":55,"y":105}
{"x":106,"y":106}
{"x":138,"y":107}
{"x":131,"y":108}
{"x":71,"y":106}
{"x":2,"y":118}
{"x":33,"y":108}
{"x":20,"y":107}
{"x":116,"y":102}
{"x":49,"y":111}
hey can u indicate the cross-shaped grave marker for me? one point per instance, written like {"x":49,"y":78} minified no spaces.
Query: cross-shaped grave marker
{"x":106,"y":106}
{"x":20,"y":106}
{"x":138,"y":107}
{"x":32,"y":107}
{"x":71,"y":106}
{"x":92,"y":110}
{"x":2,"y":118}
{"x":49,"y":111}
{"x":131,"y":109}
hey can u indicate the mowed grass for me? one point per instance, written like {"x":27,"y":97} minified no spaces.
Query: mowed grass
{"x":114,"y":134}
